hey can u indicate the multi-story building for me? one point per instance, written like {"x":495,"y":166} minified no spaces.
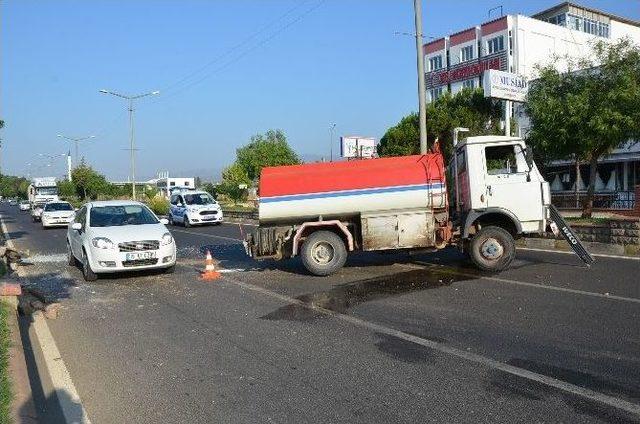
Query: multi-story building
{"x":518,"y":44}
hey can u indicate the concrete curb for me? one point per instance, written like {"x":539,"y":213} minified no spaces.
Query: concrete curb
{"x":66,"y":393}
{"x":595,"y":248}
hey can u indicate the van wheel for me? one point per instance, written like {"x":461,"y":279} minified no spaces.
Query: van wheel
{"x":492,"y":249}
{"x":323,"y":253}
{"x":185,"y":220}
{"x":87,"y":272}
{"x":171,"y":219}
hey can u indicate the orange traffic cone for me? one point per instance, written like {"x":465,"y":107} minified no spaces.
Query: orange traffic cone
{"x":210,"y":272}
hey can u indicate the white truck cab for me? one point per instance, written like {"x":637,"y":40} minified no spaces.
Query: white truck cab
{"x":498,"y":185}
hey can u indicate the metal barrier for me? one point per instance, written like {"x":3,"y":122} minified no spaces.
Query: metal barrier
{"x":613,"y":200}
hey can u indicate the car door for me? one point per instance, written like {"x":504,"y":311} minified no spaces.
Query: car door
{"x":508,"y":183}
{"x":181,"y":208}
{"x":75,"y":236}
{"x":173,"y":206}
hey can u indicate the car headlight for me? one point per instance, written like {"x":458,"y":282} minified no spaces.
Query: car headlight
{"x":102,"y":243}
{"x":166,"y":239}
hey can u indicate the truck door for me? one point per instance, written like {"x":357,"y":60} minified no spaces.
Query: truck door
{"x":507,"y":187}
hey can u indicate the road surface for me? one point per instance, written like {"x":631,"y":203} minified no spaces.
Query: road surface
{"x":390,"y":338}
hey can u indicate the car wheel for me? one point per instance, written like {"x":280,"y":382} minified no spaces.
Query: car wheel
{"x":71,"y":260}
{"x":171,"y":219}
{"x":492,"y":249}
{"x":323,"y":253}
{"x":87,"y":272}
{"x":185,"y":221}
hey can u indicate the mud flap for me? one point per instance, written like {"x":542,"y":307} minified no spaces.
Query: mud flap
{"x":565,"y":230}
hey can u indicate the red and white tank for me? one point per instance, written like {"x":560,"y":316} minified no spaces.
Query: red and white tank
{"x":349,"y":188}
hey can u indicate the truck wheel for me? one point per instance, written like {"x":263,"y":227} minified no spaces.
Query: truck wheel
{"x":323,"y":253}
{"x":492,"y":249}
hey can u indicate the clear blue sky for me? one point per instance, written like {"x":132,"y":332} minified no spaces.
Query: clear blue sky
{"x":339,"y":62}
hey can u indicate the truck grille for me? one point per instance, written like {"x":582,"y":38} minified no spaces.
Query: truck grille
{"x":137,"y":246}
{"x":209,"y":213}
{"x":140,"y":262}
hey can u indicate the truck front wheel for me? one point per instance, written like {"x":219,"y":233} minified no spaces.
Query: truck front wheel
{"x":323,"y":253}
{"x":492,"y":249}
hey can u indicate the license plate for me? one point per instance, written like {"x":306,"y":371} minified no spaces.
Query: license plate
{"x":209,"y":218}
{"x":140,"y":255}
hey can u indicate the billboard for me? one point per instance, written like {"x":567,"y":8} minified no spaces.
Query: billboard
{"x":357,"y":147}
{"x":505,"y":85}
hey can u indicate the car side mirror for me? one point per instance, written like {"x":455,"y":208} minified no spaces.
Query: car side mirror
{"x":164,"y":221}
{"x":76,"y":226}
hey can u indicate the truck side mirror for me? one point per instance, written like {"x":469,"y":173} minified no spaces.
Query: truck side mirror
{"x":528,"y":157}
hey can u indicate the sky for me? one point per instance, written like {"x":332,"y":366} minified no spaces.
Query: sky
{"x":226,"y":70}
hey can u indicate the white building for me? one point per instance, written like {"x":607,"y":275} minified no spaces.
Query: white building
{"x":517,"y":44}
{"x":166,"y":184}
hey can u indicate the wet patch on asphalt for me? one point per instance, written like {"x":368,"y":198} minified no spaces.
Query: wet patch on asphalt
{"x":403,"y":350}
{"x":343,"y":297}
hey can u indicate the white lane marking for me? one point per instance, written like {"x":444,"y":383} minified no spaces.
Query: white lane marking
{"x":57,"y":257}
{"x":568,"y":252}
{"x":206,"y":235}
{"x":450,"y":270}
{"x":6,"y":232}
{"x":66,"y":392}
{"x":466,"y":355}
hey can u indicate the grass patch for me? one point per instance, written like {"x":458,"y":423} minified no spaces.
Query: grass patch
{"x":5,"y":386}
{"x":589,"y":221}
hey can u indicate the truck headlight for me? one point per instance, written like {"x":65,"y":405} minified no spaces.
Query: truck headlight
{"x":102,"y":243}
{"x":166,"y":239}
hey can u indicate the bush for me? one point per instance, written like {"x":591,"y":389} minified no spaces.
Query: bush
{"x":159,"y":205}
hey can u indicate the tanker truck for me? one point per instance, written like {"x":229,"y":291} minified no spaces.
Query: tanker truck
{"x":324,"y":211}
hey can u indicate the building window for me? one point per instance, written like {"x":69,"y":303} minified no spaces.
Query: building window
{"x":435,"y":63}
{"x":466,"y":54}
{"x":172,"y":183}
{"x":495,"y":44}
{"x":436,"y":93}
{"x":589,"y":26}
{"x":558,"y":20}
{"x":186,"y":183}
{"x":471,"y":83}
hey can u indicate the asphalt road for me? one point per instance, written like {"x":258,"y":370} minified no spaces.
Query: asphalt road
{"x":390,"y":338}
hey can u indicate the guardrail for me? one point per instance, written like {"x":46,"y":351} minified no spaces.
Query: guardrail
{"x":613,"y":200}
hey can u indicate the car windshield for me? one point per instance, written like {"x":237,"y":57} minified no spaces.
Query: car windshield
{"x":55,"y":207}
{"x":116,"y":216}
{"x":198,"y":199}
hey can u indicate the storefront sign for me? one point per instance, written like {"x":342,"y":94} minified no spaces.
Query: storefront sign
{"x":505,"y":85}
{"x":463,"y":72}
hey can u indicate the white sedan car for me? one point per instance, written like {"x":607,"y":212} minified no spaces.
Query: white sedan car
{"x":57,"y":214}
{"x":25,"y":205}
{"x":119,"y":235}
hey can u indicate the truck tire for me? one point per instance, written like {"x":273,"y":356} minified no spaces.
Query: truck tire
{"x":323,"y":253}
{"x":492,"y":249}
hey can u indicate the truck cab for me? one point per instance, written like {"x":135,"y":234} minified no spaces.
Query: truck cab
{"x":498,"y":189}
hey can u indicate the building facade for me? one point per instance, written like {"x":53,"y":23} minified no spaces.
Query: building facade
{"x":519,"y":44}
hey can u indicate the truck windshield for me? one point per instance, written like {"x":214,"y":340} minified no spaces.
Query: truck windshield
{"x":198,"y":199}
{"x":47,"y":190}
{"x":117,"y":216}
{"x":54,"y":207}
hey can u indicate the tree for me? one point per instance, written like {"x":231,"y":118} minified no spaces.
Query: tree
{"x":467,"y":108}
{"x":269,"y":149}
{"x":11,"y":186}
{"x":66,"y":189}
{"x":89,"y":183}
{"x":211,"y":189}
{"x":586,"y":114}
{"x":235,"y":182}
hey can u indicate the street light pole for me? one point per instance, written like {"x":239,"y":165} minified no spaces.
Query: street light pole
{"x":332,"y":127}
{"x":417,"y":6}
{"x":76,"y":141}
{"x":132,"y":149}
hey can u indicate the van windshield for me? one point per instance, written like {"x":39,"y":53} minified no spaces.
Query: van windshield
{"x":198,"y":199}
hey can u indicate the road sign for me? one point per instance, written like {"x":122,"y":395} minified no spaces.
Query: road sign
{"x":357,"y":147}
{"x":505,"y":85}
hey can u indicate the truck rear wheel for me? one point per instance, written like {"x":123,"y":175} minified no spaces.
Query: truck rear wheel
{"x":323,"y":253}
{"x":492,"y":249}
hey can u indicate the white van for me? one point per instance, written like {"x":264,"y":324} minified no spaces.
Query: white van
{"x":194,"y":207}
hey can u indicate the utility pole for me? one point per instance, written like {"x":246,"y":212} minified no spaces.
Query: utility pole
{"x":417,"y":6}
{"x":332,"y":127}
{"x":69,"y":165}
{"x":76,"y":141}
{"x":132,"y":149}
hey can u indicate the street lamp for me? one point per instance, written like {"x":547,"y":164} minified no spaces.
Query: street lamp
{"x":332,"y":128}
{"x":76,"y":140}
{"x":131,"y":98}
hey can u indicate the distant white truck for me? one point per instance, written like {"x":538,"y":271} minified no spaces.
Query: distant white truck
{"x":42,"y":190}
